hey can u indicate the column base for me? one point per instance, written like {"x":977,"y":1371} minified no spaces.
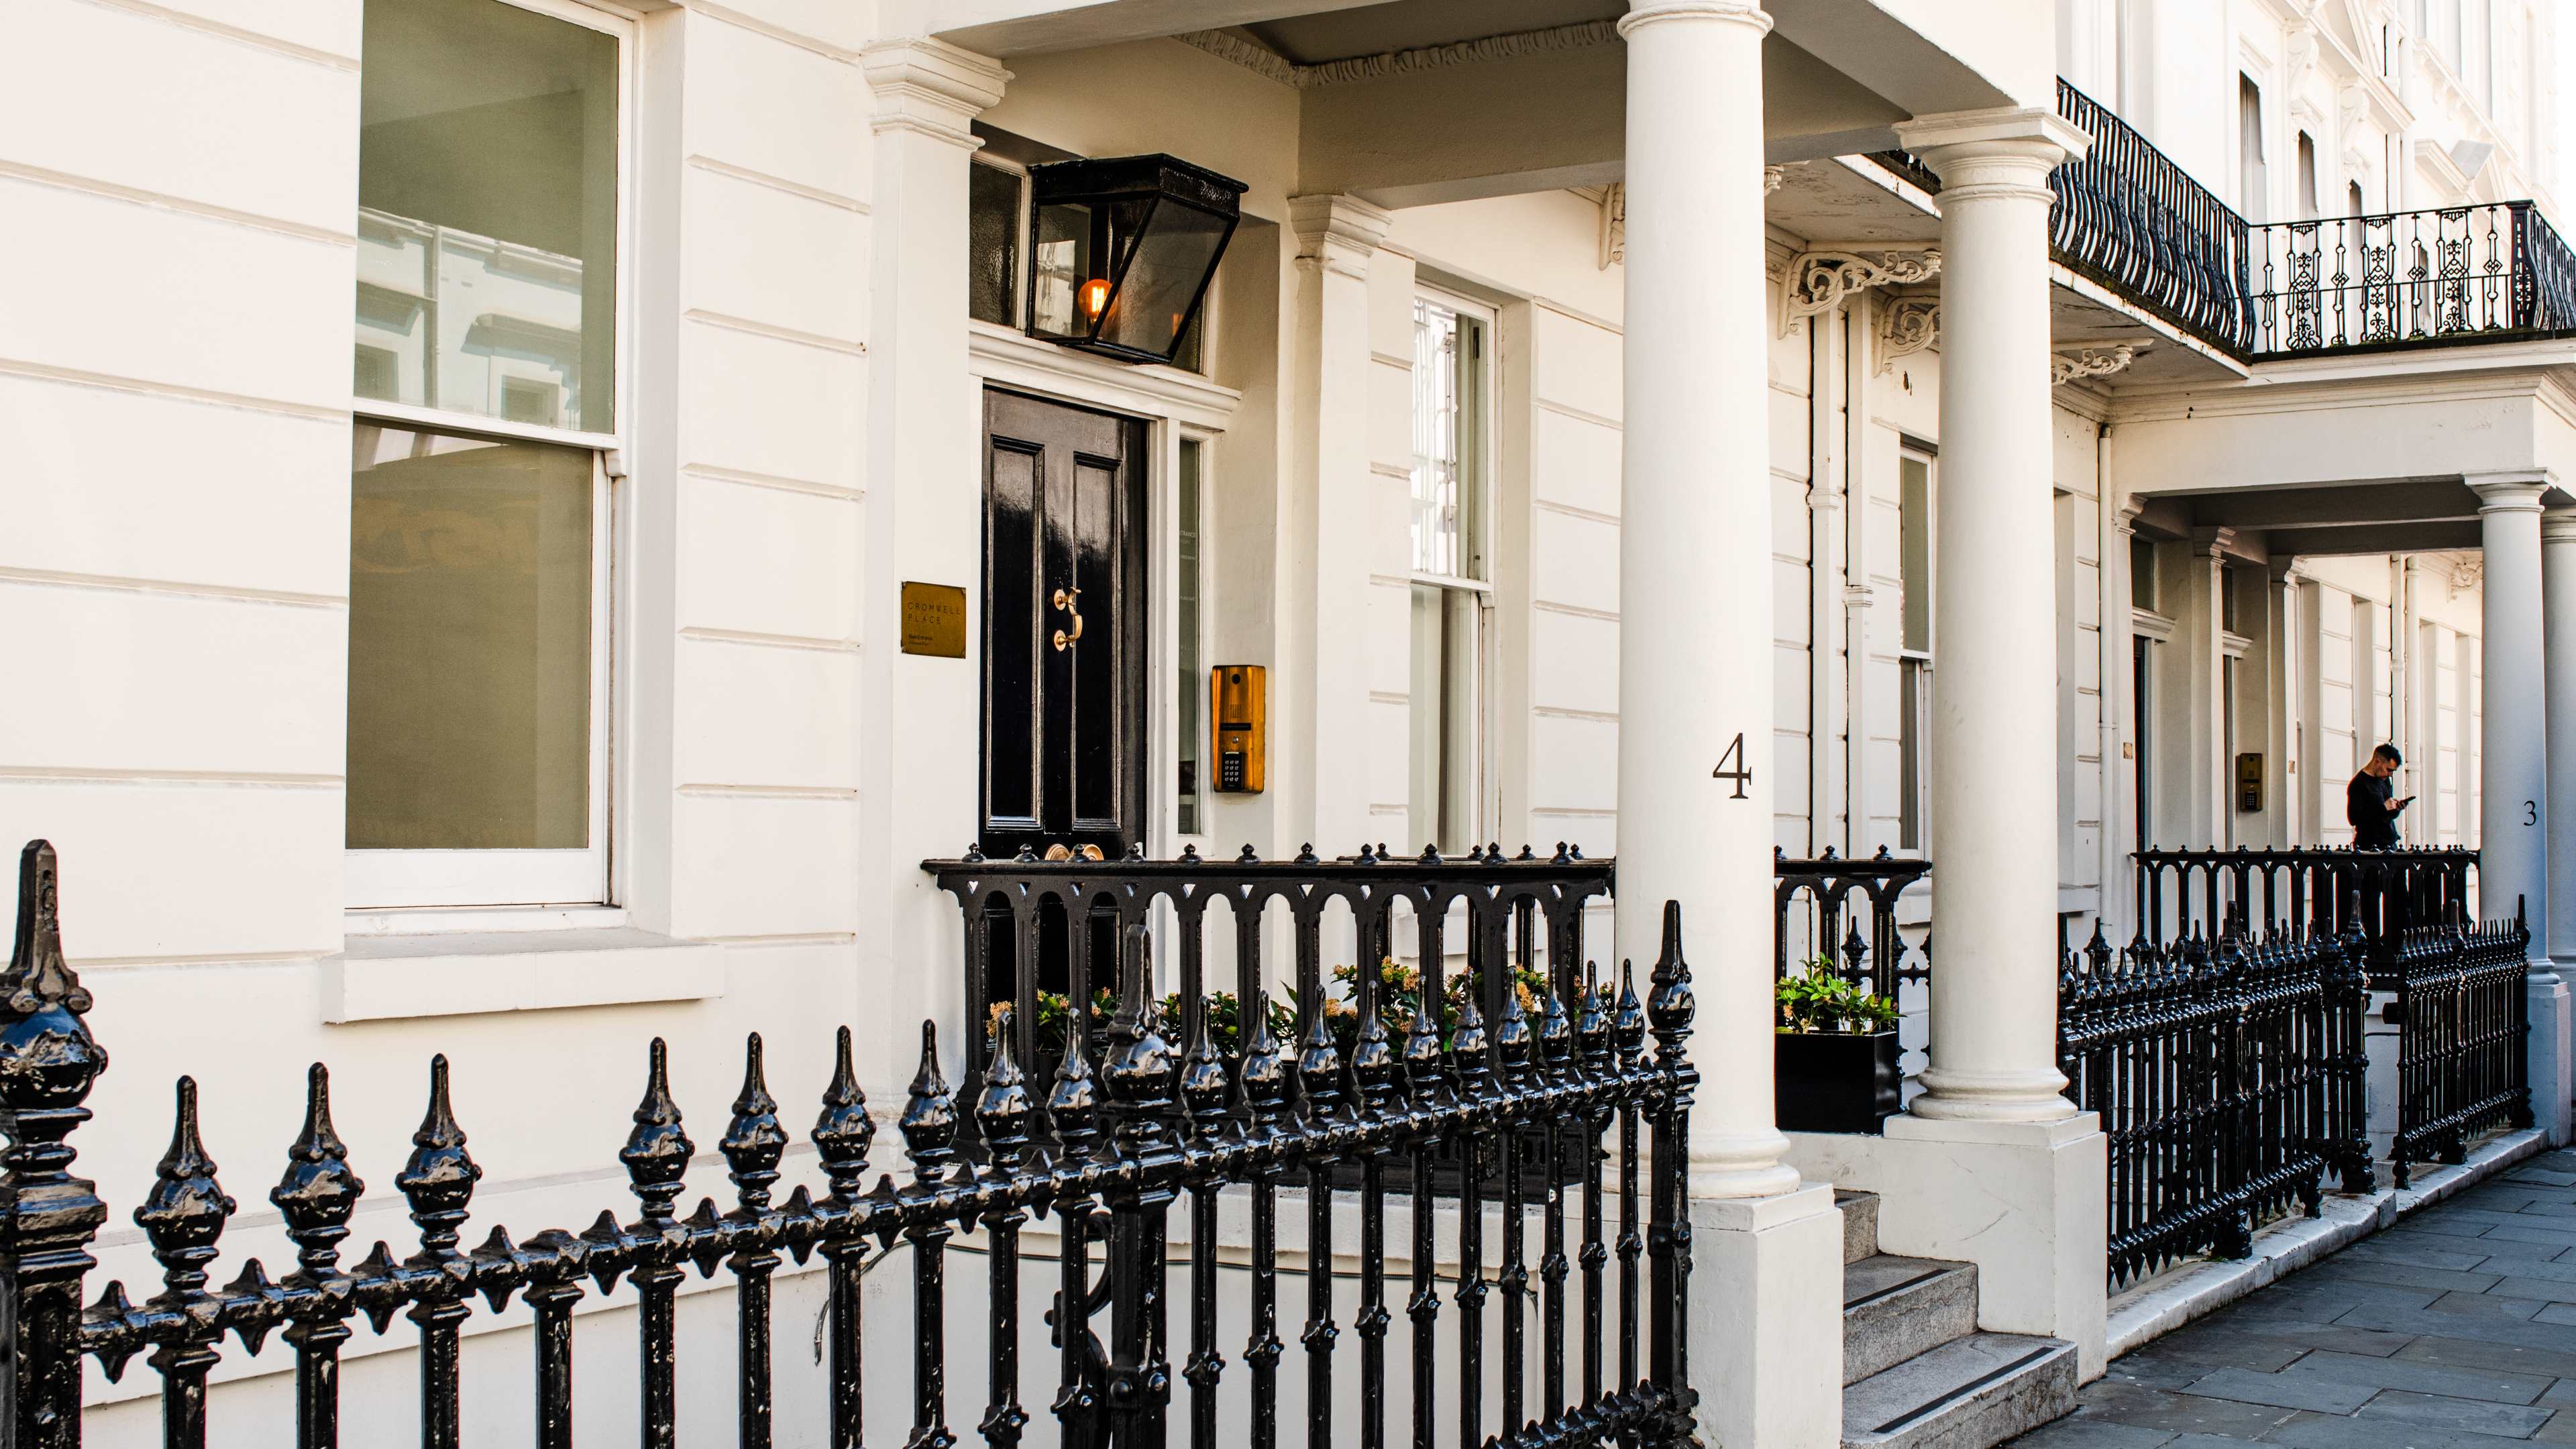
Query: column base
{"x":2024,"y":1201}
{"x":2552,"y":1057}
{"x":1766,"y":1319}
{"x":2032,"y":1096}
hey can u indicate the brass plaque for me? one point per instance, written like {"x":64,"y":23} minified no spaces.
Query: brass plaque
{"x":934,"y":620}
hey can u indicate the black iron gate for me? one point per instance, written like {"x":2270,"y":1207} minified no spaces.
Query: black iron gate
{"x":1107,"y":1155}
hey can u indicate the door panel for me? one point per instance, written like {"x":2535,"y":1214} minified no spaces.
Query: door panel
{"x":1064,"y":628}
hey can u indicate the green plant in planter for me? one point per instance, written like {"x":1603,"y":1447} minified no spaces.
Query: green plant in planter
{"x":1819,"y":1000}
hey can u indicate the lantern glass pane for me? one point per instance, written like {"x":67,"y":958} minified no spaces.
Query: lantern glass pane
{"x":1169,"y":262}
{"x":1065,"y":257}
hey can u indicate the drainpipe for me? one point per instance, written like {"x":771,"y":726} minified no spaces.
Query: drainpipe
{"x":1825,"y":488}
{"x":1856,"y":590}
{"x":2111,"y":548}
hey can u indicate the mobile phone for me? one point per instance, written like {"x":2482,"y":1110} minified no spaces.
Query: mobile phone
{"x":2409,"y":800}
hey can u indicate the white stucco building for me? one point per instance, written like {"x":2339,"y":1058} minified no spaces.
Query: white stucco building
{"x":1598,"y":409}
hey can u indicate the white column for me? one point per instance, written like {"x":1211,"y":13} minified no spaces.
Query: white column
{"x":1695,"y":669}
{"x":1993,"y":1164}
{"x":2514,"y":815}
{"x":2558,"y":606}
{"x":922,"y":519}
{"x":1994,"y":606}
{"x":2513,"y":849}
{"x":1695,"y":698}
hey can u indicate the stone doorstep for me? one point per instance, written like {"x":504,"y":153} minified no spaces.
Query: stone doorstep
{"x":2198,"y":1287}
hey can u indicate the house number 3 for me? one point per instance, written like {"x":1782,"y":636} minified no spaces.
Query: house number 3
{"x":2531,"y":812}
{"x":1741,"y":773}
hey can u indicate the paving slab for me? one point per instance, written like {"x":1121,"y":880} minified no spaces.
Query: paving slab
{"x":2284,"y":1391}
{"x":2497,"y":1304}
{"x":2081,"y":1430}
{"x":2329,"y":1431}
{"x":2514,"y":1331}
{"x":2344,"y":1268}
{"x":2476,"y":1416}
{"x":2493,"y":1385}
{"x":2471,"y":1353}
{"x":2181,"y":1413}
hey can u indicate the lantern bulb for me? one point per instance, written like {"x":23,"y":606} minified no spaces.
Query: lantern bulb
{"x":1095,"y":296}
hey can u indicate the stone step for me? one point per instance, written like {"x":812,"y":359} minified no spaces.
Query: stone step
{"x":1895,"y":1308}
{"x":1970,"y":1393}
{"x":1860,"y":1223}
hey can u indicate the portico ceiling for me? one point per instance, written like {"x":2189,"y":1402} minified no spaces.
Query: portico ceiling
{"x":2422,"y":515}
{"x":1418,"y":25}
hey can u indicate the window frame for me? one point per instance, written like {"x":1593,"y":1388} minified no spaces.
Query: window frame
{"x":1915,"y":665}
{"x":1478,"y":536}
{"x":383,"y":881}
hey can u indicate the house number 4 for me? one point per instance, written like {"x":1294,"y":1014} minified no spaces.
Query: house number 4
{"x":1740,"y":773}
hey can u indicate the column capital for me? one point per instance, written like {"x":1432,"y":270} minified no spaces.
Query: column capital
{"x":929,"y":87}
{"x":2510,"y":490}
{"x":1642,"y":13}
{"x":1338,"y":230}
{"x":2558,"y":525}
{"x":2007,"y":150}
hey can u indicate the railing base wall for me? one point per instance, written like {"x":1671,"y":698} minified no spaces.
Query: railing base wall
{"x":2553,"y":1058}
{"x":1775,"y":1377}
{"x":2024,"y":1201}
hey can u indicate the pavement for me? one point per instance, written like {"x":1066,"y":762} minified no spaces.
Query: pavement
{"x":2456,"y":1329}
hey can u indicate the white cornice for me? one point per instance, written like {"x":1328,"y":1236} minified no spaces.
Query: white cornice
{"x":1271,"y":65}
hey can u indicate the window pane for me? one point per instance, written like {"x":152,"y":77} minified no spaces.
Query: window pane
{"x":1448,"y":432}
{"x":469,"y":644}
{"x":1442,"y":771}
{"x":487,"y":213}
{"x":1914,"y":525}
{"x":1162,"y":282}
{"x":992,"y":244}
{"x":1186,"y":607}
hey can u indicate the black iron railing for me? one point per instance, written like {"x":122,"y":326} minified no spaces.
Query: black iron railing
{"x":2218,"y":892}
{"x":2229,"y":1079}
{"x":1035,"y":928}
{"x":2463,"y":1020}
{"x":2449,"y":274}
{"x":2128,"y":217}
{"x":1107,"y":1157}
{"x":1822,"y":905}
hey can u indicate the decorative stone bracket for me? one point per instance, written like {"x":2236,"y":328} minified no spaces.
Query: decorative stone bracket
{"x":1906,"y":325}
{"x":2066,"y":367}
{"x":1614,"y":214}
{"x":1817,"y":282}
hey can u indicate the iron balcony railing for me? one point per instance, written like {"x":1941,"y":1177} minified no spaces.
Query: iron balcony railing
{"x":2452,"y":274}
{"x":2126,"y":216}
{"x":1821,"y":906}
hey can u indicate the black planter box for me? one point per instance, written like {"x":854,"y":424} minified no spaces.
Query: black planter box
{"x":1836,"y":1081}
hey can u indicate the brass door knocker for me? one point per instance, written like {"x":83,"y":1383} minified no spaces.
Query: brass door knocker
{"x":1069,"y":600}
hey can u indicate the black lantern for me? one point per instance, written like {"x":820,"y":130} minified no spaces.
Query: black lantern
{"x":1121,"y":252}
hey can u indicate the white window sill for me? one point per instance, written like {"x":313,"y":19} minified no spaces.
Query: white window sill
{"x":463,"y":973}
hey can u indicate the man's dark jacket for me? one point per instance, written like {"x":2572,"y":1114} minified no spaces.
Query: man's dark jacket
{"x":2365,"y":805}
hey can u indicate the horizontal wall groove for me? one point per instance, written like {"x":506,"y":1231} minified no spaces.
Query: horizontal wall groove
{"x":715,"y":473}
{"x":210,"y":779}
{"x":256,"y":39}
{"x":1574,"y":510}
{"x":705,"y":634}
{"x":1569,"y":410}
{"x":199,"y":962}
{"x":753,"y":177}
{"x":772,"y":792}
{"x":209,"y":397}
{"x":227,"y":593}
{"x":784,"y":36}
{"x":784,"y":938}
{"x":1578,"y":611}
{"x":1558,"y":711}
{"x":179,"y":205}
{"x":776,"y":333}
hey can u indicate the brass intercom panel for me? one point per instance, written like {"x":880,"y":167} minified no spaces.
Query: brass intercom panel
{"x":2249,"y":784}
{"x":1239,"y":716}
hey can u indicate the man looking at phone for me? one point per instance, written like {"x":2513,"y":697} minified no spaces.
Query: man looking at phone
{"x":2367,"y":804}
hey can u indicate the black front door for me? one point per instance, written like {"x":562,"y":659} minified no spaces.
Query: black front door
{"x":1064,"y":628}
